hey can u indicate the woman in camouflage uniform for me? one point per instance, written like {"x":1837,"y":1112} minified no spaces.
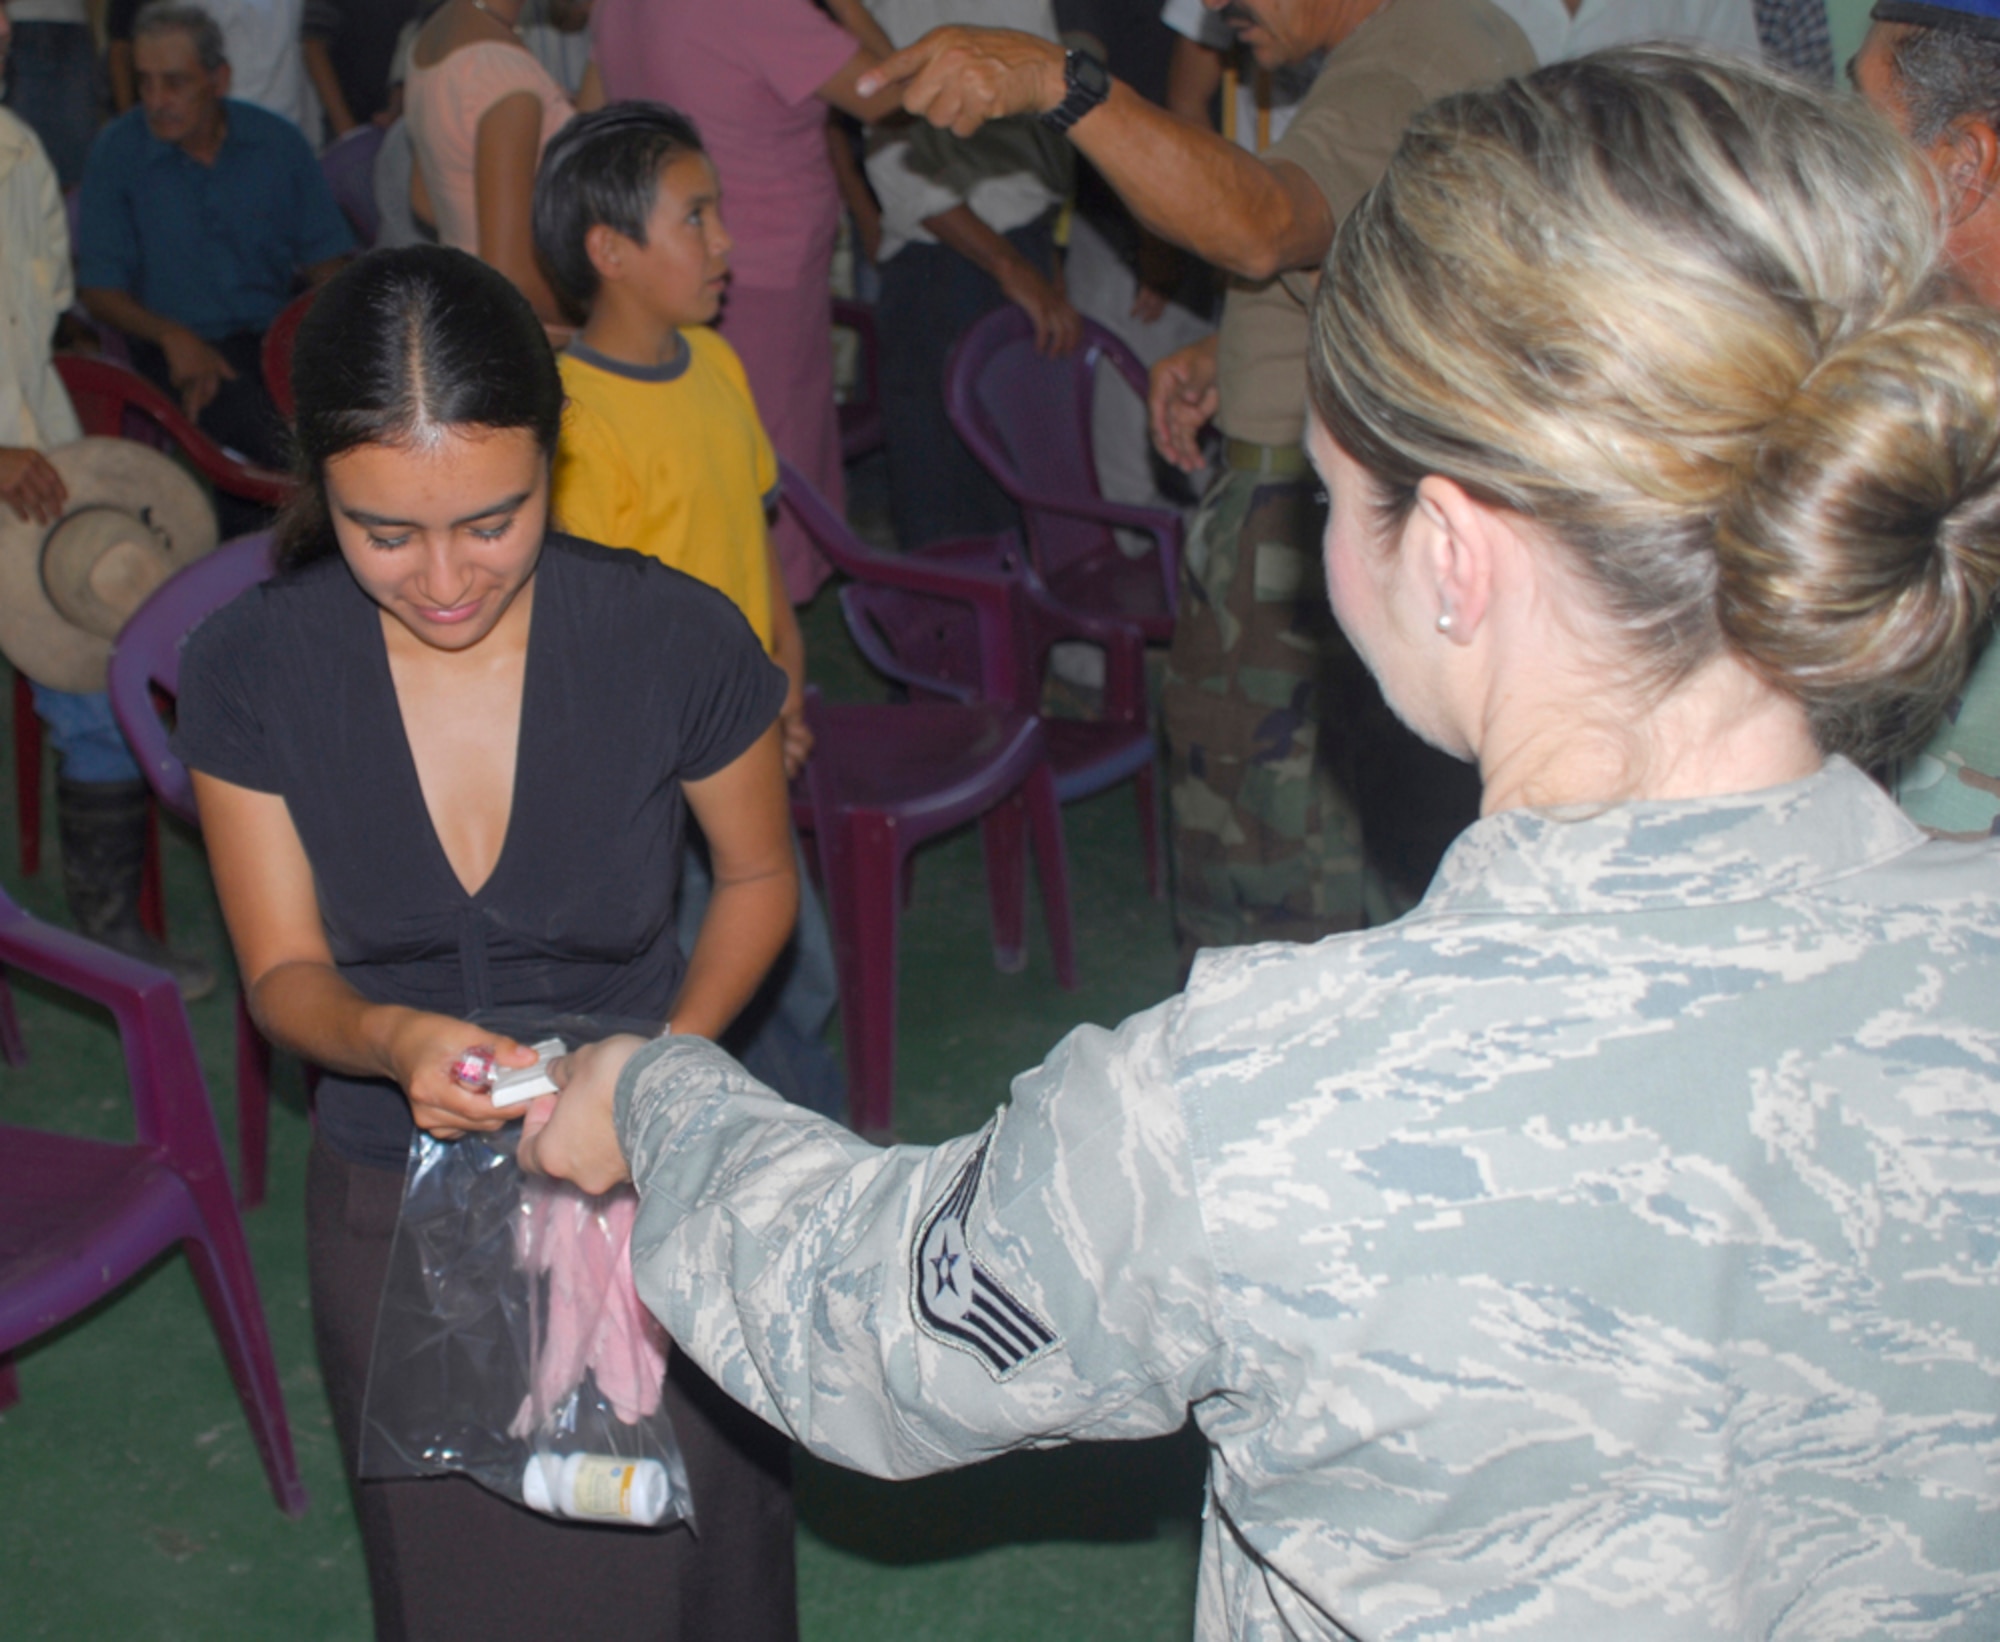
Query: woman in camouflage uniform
{"x":1610,"y":1247}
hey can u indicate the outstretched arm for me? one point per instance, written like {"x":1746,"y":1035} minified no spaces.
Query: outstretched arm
{"x":903,"y":1311}
{"x":1252,"y":217}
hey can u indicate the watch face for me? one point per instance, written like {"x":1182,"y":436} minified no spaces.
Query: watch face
{"x":1090,"y":75}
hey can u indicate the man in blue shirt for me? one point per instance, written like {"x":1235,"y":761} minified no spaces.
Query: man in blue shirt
{"x":199,"y":214}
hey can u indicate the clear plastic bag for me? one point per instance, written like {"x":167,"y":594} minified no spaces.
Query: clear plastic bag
{"x":506,"y":1351}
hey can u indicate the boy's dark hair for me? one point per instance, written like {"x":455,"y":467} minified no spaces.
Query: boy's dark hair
{"x":602,"y":167}
{"x":401,"y":345}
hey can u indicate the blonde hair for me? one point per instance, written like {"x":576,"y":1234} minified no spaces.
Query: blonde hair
{"x":1678,"y":311}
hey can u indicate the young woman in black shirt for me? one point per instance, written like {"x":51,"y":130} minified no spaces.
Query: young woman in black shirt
{"x":443,"y":762}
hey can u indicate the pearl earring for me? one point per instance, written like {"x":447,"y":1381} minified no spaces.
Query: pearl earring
{"x":1444,"y":621}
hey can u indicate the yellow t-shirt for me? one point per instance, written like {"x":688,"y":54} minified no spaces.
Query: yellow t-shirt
{"x":671,"y":460}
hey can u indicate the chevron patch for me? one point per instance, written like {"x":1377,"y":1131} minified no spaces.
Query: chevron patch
{"x":959,"y":1302}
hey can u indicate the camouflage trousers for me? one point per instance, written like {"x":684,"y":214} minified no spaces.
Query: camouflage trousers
{"x":1266,"y":842}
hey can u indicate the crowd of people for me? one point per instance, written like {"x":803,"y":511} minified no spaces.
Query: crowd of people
{"x":1603,"y":1245}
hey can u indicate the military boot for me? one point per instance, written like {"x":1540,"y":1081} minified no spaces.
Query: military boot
{"x":103,"y":829}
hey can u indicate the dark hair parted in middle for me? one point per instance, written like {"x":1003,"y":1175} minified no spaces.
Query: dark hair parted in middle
{"x":603,"y":167}
{"x":400,"y":346}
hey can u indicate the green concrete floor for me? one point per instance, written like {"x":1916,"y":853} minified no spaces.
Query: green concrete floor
{"x":131,"y":1501}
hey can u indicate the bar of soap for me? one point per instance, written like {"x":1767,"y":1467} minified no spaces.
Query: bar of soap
{"x":514,"y":1084}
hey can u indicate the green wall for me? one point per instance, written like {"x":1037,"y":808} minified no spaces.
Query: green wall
{"x":1850,"y":21}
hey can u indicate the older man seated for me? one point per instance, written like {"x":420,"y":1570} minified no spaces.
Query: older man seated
{"x":200,"y":214}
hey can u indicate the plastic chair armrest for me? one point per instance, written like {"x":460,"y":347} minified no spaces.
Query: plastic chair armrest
{"x":244,"y":480}
{"x":132,"y":705}
{"x":884,"y":660}
{"x":1124,"y":648}
{"x":78,"y":965}
{"x":160,"y":1061}
{"x":1163,"y":525}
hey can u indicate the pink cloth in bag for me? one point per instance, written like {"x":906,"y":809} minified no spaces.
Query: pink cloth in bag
{"x":594,"y":1320}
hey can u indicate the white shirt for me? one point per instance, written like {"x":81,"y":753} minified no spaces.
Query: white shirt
{"x":267,"y":64}
{"x":1727,"y":25}
{"x":34,"y":290}
{"x":1009,"y":173}
{"x":48,"y":11}
{"x":1277,"y":91}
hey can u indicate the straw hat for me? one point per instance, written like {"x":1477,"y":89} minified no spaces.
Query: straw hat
{"x":133,"y":518}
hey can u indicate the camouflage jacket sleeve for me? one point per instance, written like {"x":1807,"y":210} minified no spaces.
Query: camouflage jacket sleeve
{"x":907,"y":1310}
{"x":1953,"y":785}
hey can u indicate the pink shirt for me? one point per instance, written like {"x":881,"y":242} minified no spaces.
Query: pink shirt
{"x":745,"y":71}
{"x":443,"y":105}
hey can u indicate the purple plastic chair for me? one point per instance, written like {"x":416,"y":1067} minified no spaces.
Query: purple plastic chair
{"x":146,"y":665}
{"x":951,"y":629}
{"x":114,"y":402}
{"x":79,"y":1217}
{"x":348,"y":164}
{"x":1027,"y":419}
{"x":882,"y":780}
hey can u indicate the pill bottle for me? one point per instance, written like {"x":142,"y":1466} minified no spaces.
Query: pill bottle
{"x":597,"y":1488}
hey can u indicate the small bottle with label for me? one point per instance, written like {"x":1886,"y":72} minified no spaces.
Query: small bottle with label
{"x":597,"y":1488}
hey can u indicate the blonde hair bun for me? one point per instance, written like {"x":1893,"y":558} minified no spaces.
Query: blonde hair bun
{"x":1859,"y":557}
{"x":1681,"y":313}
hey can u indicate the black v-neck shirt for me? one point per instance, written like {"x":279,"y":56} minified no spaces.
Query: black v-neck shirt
{"x":638,"y":678}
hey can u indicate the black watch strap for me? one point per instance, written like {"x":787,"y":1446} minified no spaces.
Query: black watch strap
{"x":1089,"y":83}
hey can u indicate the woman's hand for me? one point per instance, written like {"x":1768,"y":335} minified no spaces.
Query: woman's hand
{"x":421,"y":1049}
{"x":574,"y":1135}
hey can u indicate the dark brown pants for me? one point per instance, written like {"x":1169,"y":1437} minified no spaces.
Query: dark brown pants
{"x":448,"y":1560}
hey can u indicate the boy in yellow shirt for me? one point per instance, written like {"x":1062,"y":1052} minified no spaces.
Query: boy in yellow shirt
{"x":662,"y":449}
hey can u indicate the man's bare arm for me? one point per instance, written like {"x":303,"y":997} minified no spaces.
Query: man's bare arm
{"x":1187,"y":184}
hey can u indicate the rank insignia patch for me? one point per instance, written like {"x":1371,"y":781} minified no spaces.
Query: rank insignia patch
{"x":961,"y":1303}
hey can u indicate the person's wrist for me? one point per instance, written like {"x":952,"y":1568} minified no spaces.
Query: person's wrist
{"x":384,"y":1027}
{"x":1082,"y":86}
{"x":1053,"y":77}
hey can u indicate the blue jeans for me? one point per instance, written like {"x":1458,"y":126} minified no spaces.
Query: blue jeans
{"x":87,"y":739}
{"x":52,"y":85}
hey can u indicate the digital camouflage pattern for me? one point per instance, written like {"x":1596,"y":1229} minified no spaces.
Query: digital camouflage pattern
{"x":1953,"y":785}
{"x":1610,"y":1249}
{"x":1266,"y":843}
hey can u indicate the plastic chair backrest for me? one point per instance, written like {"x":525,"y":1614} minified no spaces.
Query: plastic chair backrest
{"x":275,"y":357}
{"x":1028,"y":420}
{"x":147,"y":656}
{"x":988,"y":642}
{"x":115,"y":402}
{"x":348,"y":164}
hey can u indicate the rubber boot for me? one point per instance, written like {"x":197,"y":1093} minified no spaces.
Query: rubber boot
{"x":103,"y":829}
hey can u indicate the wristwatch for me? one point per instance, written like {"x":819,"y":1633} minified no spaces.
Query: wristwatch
{"x":1089,"y":83}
